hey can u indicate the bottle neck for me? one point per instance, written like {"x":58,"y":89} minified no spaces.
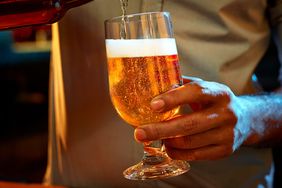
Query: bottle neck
{"x":75,"y":3}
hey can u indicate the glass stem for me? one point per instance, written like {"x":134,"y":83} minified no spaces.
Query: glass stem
{"x":153,"y":152}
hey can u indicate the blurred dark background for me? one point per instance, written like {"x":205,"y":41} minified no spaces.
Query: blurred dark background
{"x":24,"y":76}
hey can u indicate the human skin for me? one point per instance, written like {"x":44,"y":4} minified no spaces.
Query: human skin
{"x":220,"y":123}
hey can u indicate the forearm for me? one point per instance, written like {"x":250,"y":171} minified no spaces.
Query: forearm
{"x":268,"y":132}
{"x":265,"y":112}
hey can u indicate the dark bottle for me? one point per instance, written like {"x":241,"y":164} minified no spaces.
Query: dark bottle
{"x":19,"y":13}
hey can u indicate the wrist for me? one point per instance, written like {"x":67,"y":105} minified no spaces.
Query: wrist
{"x":265,"y":114}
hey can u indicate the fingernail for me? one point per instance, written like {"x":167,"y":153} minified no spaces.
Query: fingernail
{"x":139,"y":134}
{"x":157,"y":104}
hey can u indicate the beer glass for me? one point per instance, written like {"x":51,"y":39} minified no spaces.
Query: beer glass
{"x":143,"y":63}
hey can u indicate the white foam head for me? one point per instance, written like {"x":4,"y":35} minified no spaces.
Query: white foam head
{"x":140,"y":47}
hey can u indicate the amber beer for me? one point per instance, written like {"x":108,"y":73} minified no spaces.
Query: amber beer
{"x":139,"y":70}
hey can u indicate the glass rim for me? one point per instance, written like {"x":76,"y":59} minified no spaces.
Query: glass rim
{"x":128,"y":16}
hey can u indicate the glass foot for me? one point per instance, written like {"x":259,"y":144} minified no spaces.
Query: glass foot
{"x":156,"y":167}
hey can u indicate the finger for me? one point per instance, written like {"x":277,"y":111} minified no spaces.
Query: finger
{"x":196,"y":106}
{"x":188,"y":93}
{"x":222,"y":134}
{"x":211,"y":152}
{"x":188,"y":124}
{"x":200,"y":92}
{"x":188,"y":79}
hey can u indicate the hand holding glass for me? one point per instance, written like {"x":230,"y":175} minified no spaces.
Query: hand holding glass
{"x":143,"y":63}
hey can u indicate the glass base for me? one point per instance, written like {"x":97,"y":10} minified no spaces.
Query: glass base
{"x":156,"y":167}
